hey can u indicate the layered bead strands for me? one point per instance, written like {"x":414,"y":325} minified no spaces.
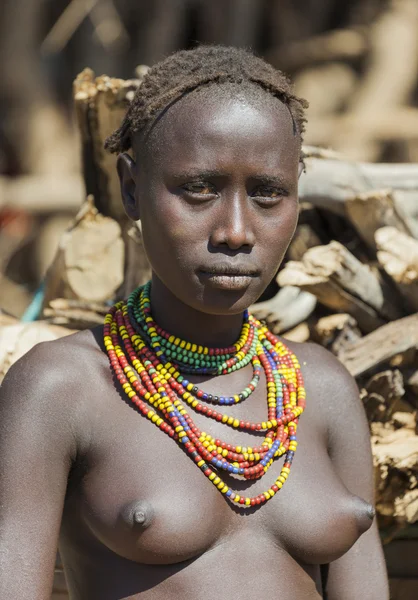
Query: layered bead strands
{"x":150,"y":365}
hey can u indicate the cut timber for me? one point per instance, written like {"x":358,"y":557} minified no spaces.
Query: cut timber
{"x":289,"y":307}
{"x":342,"y":283}
{"x":308,"y":232}
{"x":395,"y":458}
{"x":89,"y":264}
{"x":101,"y":104}
{"x":329,"y":181}
{"x":381,"y":394}
{"x":371,"y":211}
{"x":336,"y":332}
{"x":381,"y":346}
{"x":398,"y":255}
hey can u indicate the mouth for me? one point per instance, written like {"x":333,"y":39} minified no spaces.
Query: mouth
{"x":228,"y":277}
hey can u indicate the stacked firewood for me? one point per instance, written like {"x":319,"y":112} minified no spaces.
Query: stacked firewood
{"x":349,"y":281}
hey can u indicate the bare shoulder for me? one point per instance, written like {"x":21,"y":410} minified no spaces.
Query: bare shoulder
{"x":321,"y":367}
{"x":49,"y":382}
{"x":55,"y":363}
{"x":328,"y":383}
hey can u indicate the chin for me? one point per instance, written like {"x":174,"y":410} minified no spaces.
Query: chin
{"x":226,"y":301}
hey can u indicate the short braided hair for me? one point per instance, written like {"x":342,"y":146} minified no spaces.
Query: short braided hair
{"x":187,"y":70}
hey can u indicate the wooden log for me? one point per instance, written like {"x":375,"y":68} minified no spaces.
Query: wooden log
{"x":299,"y":334}
{"x":398,"y":255}
{"x":383,"y":346}
{"x":289,"y":307}
{"x":101,"y":104}
{"x":342,"y":283}
{"x":381,"y":395}
{"x":395,"y":458}
{"x":336,"y":332}
{"x":309,"y":232}
{"x":89,"y":264}
{"x":412,"y":382}
{"x":329,"y":181}
{"x":373,"y":210}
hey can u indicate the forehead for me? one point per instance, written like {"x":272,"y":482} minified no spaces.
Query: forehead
{"x":221,"y":126}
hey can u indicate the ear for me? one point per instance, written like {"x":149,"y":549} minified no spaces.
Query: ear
{"x":126,"y":170}
{"x":301,"y":168}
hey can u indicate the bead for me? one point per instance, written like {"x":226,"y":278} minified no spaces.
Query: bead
{"x":150,"y":365}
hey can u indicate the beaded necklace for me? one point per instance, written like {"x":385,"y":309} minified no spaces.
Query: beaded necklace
{"x":150,"y":365}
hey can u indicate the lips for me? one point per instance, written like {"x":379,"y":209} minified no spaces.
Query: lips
{"x":231,"y":270}
{"x":228,"y":276}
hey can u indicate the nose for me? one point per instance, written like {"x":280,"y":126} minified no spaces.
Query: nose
{"x":234,"y":227}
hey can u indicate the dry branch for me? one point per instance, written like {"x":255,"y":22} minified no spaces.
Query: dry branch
{"x":336,"y":332}
{"x":398,"y":254}
{"x":395,"y":457}
{"x":330,"y":181}
{"x":89,"y":264}
{"x":379,"y":347}
{"x":101,"y":104}
{"x":287,"y":309}
{"x":381,"y":395}
{"x":370,"y":211}
{"x":342,"y":283}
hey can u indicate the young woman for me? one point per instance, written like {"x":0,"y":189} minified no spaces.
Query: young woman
{"x":160,"y":451}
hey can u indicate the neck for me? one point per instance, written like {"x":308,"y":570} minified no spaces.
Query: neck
{"x":190,"y":324}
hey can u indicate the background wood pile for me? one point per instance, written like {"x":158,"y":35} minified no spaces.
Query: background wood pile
{"x":349,"y":281}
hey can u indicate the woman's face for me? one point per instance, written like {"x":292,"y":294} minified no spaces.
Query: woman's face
{"x":215,"y":187}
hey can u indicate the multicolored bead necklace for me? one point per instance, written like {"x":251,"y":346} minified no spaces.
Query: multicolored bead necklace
{"x":151,"y":372}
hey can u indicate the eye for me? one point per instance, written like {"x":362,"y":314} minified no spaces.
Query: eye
{"x":269,"y":194}
{"x":200,"y":188}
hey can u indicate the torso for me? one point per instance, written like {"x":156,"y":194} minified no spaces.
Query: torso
{"x":193,"y":544}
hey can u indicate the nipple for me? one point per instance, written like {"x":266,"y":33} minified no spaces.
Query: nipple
{"x":139,"y":514}
{"x":365,"y":513}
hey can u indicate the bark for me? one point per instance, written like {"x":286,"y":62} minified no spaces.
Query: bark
{"x":342,"y":283}
{"x":398,"y":255}
{"x":395,"y":343}
{"x":370,"y":211}
{"x":89,"y":264}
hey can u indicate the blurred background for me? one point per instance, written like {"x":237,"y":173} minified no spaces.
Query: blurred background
{"x":350,"y":278}
{"x":356,"y":61}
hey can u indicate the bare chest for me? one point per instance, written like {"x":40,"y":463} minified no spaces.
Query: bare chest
{"x":144,"y":499}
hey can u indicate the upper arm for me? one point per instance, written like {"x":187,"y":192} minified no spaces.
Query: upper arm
{"x":37,"y":444}
{"x":361,"y":572}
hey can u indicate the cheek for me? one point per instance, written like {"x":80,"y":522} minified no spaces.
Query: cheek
{"x":278,"y":232}
{"x":167,"y":230}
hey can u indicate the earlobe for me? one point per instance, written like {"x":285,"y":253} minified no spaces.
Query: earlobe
{"x":301,"y":168}
{"x":126,"y":170}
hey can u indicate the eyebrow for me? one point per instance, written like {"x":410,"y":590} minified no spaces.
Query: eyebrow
{"x":212,"y":173}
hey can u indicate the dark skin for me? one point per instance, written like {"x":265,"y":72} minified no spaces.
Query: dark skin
{"x":216,"y":192}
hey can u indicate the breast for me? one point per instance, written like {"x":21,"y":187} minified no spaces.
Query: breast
{"x":320,"y":522}
{"x":314,"y":517}
{"x":168,"y":521}
{"x":181,"y":517}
